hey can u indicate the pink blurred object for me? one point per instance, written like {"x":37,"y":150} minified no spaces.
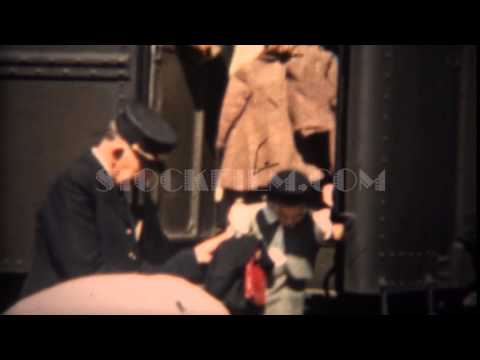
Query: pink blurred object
{"x":131,"y":294}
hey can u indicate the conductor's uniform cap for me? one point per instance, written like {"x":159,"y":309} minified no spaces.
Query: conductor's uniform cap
{"x":141,"y":126}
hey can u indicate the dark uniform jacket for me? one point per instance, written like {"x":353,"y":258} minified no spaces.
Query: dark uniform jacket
{"x":84,"y":229}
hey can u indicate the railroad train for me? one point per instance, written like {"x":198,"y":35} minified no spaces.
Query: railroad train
{"x":406,"y":120}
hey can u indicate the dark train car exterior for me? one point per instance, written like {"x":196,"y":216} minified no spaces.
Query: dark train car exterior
{"x":411,"y":126}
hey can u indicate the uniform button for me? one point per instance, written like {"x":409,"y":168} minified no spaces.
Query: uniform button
{"x":132,"y":256}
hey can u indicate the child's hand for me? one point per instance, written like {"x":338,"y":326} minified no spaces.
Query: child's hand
{"x":323,"y":222}
{"x":328,"y":229}
{"x":338,"y":232}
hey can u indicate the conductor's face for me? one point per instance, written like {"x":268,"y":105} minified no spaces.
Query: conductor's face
{"x":125,"y":162}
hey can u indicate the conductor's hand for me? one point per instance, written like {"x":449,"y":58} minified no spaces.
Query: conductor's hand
{"x":205,"y":251}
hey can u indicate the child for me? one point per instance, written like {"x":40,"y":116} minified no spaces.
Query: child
{"x":283,"y":241}
{"x":292,"y":239}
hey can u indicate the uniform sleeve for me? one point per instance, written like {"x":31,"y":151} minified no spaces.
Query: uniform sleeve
{"x":227,"y":267}
{"x":69,"y":227}
{"x":156,"y":248}
{"x":161,"y":256}
{"x":185,"y":265}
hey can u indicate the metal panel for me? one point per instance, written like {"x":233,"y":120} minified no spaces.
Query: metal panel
{"x":188,"y":92}
{"x":63,"y":63}
{"x":55,"y":102}
{"x":466,"y":222}
{"x":402,"y":118}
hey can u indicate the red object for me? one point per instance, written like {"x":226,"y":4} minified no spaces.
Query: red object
{"x":255,"y":283}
